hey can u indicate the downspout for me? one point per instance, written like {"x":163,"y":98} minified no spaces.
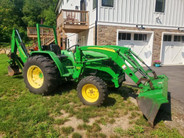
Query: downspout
{"x":96,"y":22}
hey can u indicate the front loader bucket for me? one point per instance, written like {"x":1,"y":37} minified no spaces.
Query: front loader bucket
{"x":13,"y":70}
{"x":150,"y":100}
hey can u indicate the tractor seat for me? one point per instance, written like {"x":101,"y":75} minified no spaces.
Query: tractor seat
{"x":56,"y":49}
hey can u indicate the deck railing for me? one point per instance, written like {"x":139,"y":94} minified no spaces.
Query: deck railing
{"x":32,"y":32}
{"x":46,"y":34}
{"x":73,"y":17}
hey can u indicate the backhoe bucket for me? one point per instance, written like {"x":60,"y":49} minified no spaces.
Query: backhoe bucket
{"x":150,"y":100}
{"x":13,"y":70}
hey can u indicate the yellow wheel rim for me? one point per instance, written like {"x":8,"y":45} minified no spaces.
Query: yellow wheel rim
{"x":90,"y":93}
{"x":35,"y":76}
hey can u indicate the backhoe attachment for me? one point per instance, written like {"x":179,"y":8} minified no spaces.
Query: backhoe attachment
{"x":18,"y":55}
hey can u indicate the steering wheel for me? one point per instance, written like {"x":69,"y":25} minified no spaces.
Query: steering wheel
{"x":69,"y":49}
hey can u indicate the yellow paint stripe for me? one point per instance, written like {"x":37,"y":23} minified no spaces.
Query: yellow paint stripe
{"x":107,"y":49}
{"x":21,"y":50}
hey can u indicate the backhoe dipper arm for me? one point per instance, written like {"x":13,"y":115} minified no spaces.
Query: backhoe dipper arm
{"x":18,"y":55}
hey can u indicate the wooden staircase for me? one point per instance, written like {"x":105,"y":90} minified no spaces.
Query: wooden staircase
{"x":46,"y":35}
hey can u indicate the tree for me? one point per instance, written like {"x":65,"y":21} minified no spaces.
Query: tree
{"x":7,"y":20}
{"x":36,"y":10}
{"x":23,"y":13}
{"x":49,"y":16}
{"x":10,"y":18}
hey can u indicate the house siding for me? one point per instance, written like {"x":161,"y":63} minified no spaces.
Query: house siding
{"x":125,"y":15}
{"x":143,"y":12}
{"x":107,"y":35}
{"x":70,"y":5}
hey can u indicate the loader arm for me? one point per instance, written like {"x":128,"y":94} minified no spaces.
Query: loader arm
{"x":153,"y":88}
{"x":121,"y":56}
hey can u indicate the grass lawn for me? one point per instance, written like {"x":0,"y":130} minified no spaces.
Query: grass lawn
{"x":23,"y":114}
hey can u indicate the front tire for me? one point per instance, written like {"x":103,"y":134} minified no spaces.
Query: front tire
{"x":92,"y":91}
{"x":40,"y":75}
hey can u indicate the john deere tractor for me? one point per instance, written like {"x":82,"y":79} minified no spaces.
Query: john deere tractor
{"x":93,"y":67}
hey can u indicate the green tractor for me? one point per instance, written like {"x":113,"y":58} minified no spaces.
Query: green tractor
{"x":92,"y":67}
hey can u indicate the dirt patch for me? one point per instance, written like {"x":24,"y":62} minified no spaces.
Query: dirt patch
{"x":64,"y":114}
{"x":74,"y":122}
{"x":108,"y":129}
{"x":134,"y":101}
{"x":92,"y":120}
{"x":2,"y":135}
{"x":122,"y":122}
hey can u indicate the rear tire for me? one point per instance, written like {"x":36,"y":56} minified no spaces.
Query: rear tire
{"x":92,"y":91}
{"x":40,"y":75}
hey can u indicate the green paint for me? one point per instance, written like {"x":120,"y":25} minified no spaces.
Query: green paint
{"x":41,"y":75}
{"x":38,"y":34}
{"x":15,"y":47}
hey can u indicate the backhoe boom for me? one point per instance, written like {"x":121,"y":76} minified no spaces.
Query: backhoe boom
{"x":18,"y":55}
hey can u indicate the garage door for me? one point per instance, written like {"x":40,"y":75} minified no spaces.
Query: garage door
{"x":173,"y":50}
{"x":140,"y":43}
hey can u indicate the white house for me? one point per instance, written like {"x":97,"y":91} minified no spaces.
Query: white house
{"x":154,"y":29}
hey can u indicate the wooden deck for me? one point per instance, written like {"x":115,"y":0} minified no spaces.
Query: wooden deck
{"x":73,"y":21}
{"x":68,"y":21}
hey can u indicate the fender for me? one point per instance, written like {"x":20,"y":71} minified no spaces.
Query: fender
{"x":53,"y":56}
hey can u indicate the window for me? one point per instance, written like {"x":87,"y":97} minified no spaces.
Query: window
{"x":94,"y":4}
{"x":183,"y":39}
{"x":160,"y":6}
{"x":108,"y":3}
{"x":167,"y":38}
{"x":177,"y":38}
{"x":140,"y":37}
{"x":124,"y":36}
